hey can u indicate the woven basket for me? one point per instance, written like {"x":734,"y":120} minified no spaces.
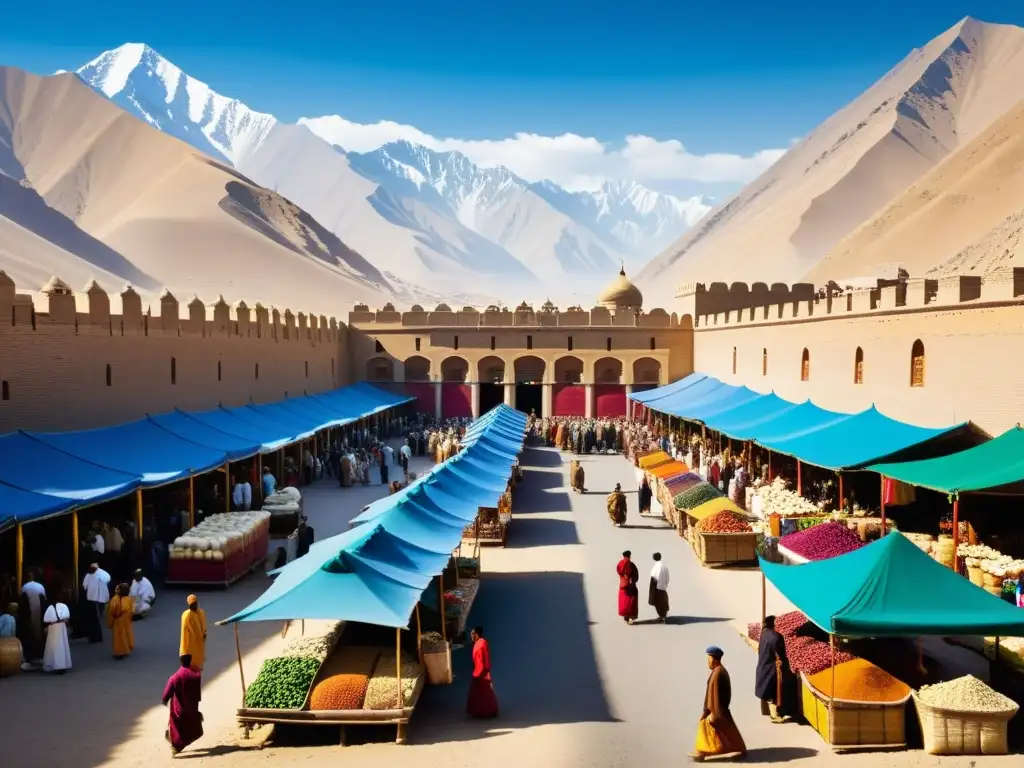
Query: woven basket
{"x":10,"y":656}
{"x":976,"y":575}
{"x":951,"y":732}
{"x":438,"y":666}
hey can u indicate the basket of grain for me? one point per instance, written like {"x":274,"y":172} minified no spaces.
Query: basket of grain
{"x":963,"y":717}
{"x":436,"y":655}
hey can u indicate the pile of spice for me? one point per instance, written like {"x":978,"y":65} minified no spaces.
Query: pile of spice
{"x":343,"y":680}
{"x":965,"y":694}
{"x":699,"y":494}
{"x":822,"y":541}
{"x":786,"y":624}
{"x":724,"y":522}
{"x":382,"y":690}
{"x":860,"y":680}
{"x":809,"y":656}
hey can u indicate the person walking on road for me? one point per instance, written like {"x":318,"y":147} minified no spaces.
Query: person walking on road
{"x":644,"y":494}
{"x":193,"y":633}
{"x":629,"y":596}
{"x":481,"y":702}
{"x":657,"y":595}
{"x":617,"y":506}
{"x":183,"y":692}
{"x":717,"y":733}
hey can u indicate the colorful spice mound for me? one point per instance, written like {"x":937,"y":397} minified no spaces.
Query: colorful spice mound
{"x":860,"y":680}
{"x":965,"y":694}
{"x":382,"y":691}
{"x":808,"y":655}
{"x":339,"y":692}
{"x":282,"y":683}
{"x":822,"y":541}
{"x":694,"y":497}
{"x":723,"y":522}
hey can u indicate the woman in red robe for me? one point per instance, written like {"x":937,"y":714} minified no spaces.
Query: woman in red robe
{"x":481,"y":702}
{"x":629,"y":596}
{"x":184,"y":692}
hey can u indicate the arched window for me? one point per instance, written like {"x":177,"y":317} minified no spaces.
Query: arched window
{"x":734,"y":360}
{"x":805,"y":366}
{"x":858,"y":366}
{"x":764,"y":361}
{"x":917,"y":364}
{"x":174,"y":370}
{"x":109,"y":376}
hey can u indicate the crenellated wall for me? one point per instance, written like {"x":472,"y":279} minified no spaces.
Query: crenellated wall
{"x":67,"y":361}
{"x":970,"y":328}
{"x":468,"y":317}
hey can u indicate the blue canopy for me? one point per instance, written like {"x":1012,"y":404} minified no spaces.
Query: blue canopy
{"x":855,"y":440}
{"x":295,"y":424}
{"x":137,"y":448}
{"x":736,"y":422}
{"x":18,"y":506}
{"x":309,"y":406}
{"x":31,"y":465}
{"x":669,"y":389}
{"x":376,"y":572}
{"x":268,"y":439}
{"x":721,"y":400}
{"x":706,"y":389}
{"x":187,"y":428}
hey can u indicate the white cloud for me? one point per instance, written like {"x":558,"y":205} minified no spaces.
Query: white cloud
{"x":575,"y":162}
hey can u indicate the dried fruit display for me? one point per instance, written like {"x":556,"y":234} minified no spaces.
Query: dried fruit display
{"x":382,"y":691}
{"x":786,"y":624}
{"x":336,"y":692}
{"x":966,"y":694}
{"x":282,"y":683}
{"x":822,"y":541}
{"x":808,"y":655}
{"x":724,"y":522}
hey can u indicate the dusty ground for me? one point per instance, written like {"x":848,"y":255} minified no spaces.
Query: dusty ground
{"x":577,"y":686}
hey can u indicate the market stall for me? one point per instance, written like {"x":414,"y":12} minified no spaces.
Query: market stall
{"x":887,"y":589}
{"x":220,"y":550}
{"x":721,"y":535}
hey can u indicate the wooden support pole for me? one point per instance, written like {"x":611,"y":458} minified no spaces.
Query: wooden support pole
{"x":840,"y":505}
{"x":227,"y":487}
{"x":191,"y":501}
{"x":769,"y":466}
{"x":138,"y":518}
{"x":419,"y":635}
{"x":19,"y":556}
{"x":259,"y":476}
{"x":238,"y":653}
{"x":884,"y":529}
{"x":440,"y":598}
{"x":398,"y":667}
{"x":764,"y":599}
{"x":956,"y":533}
{"x":75,"y":552}
{"x":799,"y":479}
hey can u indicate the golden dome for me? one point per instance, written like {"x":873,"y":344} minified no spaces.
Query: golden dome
{"x":621,"y":293}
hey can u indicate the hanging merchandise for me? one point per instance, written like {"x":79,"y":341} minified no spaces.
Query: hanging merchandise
{"x":898,"y":494}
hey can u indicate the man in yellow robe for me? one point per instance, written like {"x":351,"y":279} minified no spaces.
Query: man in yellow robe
{"x":120,"y":611}
{"x":193,"y":632}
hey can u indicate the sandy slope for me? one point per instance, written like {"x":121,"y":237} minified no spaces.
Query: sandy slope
{"x":135,"y":205}
{"x":963,"y":216}
{"x":932,"y":103}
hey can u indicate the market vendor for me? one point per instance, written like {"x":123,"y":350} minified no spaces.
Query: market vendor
{"x":774,"y":683}
{"x":142,"y":593}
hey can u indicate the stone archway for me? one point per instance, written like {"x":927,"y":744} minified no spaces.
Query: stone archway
{"x":455,"y":369}
{"x":608,"y":370}
{"x":529,"y":369}
{"x":380,"y":369}
{"x":646,"y":370}
{"x":417,"y":368}
{"x":568,"y":370}
{"x":490,"y":370}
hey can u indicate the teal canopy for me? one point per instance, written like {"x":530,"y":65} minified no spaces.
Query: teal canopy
{"x":890,"y":588}
{"x":992,"y":466}
{"x":648,"y":395}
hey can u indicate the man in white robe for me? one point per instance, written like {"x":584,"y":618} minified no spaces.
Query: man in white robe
{"x":97,"y":593}
{"x":57,"y":656}
{"x":143,"y":594}
{"x":657,"y":595}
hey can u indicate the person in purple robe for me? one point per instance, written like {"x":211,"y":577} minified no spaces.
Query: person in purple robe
{"x":184,"y":692}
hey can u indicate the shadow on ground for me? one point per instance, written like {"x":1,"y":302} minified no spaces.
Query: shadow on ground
{"x":541,"y":532}
{"x":779,"y":754}
{"x":541,"y":677}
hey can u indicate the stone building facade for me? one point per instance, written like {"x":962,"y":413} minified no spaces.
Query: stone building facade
{"x":928,"y":352}
{"x":68,"y":362}
{"x":572,"y":362}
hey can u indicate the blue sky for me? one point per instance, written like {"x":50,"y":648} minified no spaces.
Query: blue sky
{"x":732,"y":77}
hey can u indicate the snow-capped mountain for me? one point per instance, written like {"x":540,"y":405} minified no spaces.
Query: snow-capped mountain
{"x":425,"y":215}
{"x":141,"y":81}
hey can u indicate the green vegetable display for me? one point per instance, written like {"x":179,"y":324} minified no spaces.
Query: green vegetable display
{"x":694,"y":497}
{"x":282,"y":683}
